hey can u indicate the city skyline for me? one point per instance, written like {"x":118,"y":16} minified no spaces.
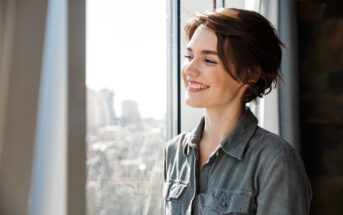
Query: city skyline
{"x":101,"y":110}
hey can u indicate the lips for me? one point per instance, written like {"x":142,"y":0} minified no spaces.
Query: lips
{"x":194,"y":86}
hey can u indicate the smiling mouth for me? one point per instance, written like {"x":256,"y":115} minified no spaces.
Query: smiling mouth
{"x":196,"y":87}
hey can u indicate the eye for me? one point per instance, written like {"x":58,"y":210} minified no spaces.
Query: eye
{"x":210,"y":61}
{"x":188,"y":57}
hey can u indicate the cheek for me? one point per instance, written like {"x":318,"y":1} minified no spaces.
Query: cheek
{"x":225,"y":84}
{"x":232,"y":87}
{"x":213,"y":77}
{"x":183,"y":74}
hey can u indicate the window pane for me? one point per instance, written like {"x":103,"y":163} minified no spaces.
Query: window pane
{"x":126,"y":105}
{"x":190,"y":116}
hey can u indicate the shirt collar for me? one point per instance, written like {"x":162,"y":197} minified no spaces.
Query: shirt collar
{"x":235,"y":142}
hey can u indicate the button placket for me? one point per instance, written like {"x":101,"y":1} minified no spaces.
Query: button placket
{"x":212,"y":160}
{"x":195,"y":177}
{"x":208,"y":166}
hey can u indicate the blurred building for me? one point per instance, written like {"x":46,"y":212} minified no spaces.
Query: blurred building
{"x":100,"y":108}
{"x":130,"y":113}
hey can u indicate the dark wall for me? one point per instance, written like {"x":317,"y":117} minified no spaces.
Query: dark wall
{"x":320,"y":31}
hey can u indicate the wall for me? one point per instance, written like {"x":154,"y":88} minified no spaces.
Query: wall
{"x":320,"y":31}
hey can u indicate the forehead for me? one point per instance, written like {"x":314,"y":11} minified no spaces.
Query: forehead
{"x":203,"y":39}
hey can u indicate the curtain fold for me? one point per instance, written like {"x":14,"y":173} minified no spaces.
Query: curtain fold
{"x":49,"y":166}
{"x":7,"y":21}
{"x":21,"y":42}
{"x":266,"y":109}
{"x":278,"y":111}
{"x":289,"y":91}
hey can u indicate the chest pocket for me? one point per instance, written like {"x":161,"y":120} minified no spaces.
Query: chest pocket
{"x":173,"y":192}
{"x":229,"y":202}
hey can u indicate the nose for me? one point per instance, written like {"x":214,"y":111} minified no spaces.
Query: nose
{"x":190,"y":67}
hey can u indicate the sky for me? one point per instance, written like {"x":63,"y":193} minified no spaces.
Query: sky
{"x":126,"y":52}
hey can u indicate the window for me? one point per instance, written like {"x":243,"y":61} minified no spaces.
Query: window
{"x":135,"y":98}
{"x":126,"y":66}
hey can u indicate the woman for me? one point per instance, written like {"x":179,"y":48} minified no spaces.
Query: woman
{"x":228,"y":164}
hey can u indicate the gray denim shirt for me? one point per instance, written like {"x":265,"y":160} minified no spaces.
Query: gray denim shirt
{"x":253,"y":171}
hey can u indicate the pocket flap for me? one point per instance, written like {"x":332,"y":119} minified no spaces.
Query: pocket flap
{"x":229,"y":201}
{"x":175,"y":190}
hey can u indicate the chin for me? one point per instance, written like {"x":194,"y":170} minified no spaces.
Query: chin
{"x":195,"y":104}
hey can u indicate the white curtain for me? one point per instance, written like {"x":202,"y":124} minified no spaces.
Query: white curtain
{"x":49,"y":166}
{"x":22,"y":26}
{"x":289,"y":92}
{"x":279,"y":110}
{"x":7,"y":22}
{"x":42,"y":107}
{"x":266,"y":109}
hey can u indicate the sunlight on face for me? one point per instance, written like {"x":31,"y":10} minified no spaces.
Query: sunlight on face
{"x":207,"y":83}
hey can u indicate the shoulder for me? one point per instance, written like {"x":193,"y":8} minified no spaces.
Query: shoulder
{"x":270,"y":144}
{"x":270,"y":151}
{"x":279,"y":171}
{"x":175,"y":145}
{"x":176,"y":141}
{"x":274,"y":154}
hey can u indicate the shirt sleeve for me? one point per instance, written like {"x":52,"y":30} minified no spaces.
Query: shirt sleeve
{"x":284,"y":187}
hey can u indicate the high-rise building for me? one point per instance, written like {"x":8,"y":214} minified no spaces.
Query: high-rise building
{"x":130,"y":113}
{"x":100,"y":108}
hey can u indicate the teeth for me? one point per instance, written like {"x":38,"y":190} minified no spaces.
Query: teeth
{"x":197,"y":86}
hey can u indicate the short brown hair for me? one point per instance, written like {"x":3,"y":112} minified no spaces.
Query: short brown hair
{"x":249,"y":42}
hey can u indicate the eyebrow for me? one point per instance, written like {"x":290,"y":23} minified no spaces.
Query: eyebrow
{"x":204,"y":51}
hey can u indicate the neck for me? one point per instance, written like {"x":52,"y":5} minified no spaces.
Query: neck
{"x":219,"y":122}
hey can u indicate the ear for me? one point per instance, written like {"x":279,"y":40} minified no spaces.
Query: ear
{"x":254,"y":74}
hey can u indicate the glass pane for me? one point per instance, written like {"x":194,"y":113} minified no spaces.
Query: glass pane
{"x":190,"y":116}
{"x":126,"y":106}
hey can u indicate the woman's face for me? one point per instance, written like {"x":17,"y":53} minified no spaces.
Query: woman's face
{"x":206,"y":81}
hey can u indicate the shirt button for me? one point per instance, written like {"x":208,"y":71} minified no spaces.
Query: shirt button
{"x":224,"y":204}
{"x":217,"y":153}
